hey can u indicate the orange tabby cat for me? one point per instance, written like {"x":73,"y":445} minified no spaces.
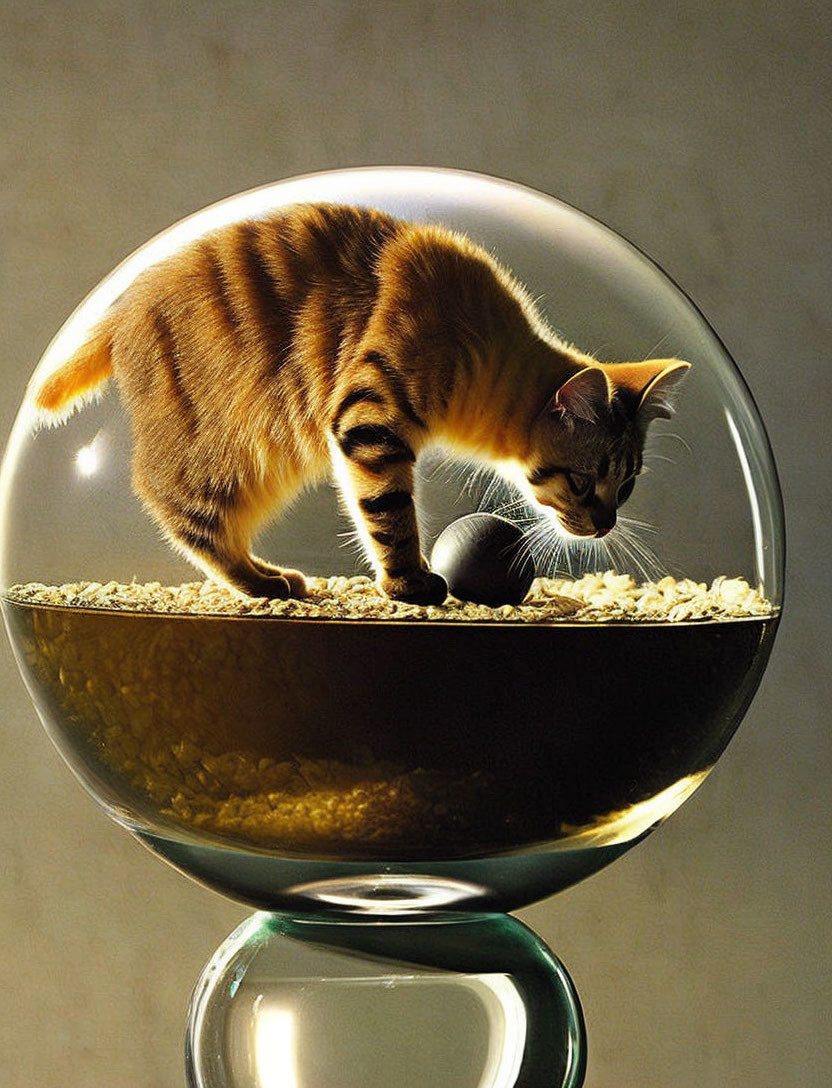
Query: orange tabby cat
{"x":326,"y":337}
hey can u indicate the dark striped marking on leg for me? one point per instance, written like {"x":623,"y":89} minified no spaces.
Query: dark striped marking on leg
{"x":375,"y":446}
{"x":385,"y":539}
{"x":386,"y":503}
{"x":207,"y":521}
{"x":355,"y":396}
{"x":390,"y":540}
{"x":398,"y":572}
{"x":224,"y":493}
{"x":377,"y":359}
{"x":198,"y":542}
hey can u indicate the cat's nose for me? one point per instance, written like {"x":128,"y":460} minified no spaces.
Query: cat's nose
{"x":604,"y":524}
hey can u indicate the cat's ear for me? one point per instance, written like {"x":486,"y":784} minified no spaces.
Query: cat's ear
{"x":654,"y":383}
{"x":585,"y":395}
{"x":659,"y":395}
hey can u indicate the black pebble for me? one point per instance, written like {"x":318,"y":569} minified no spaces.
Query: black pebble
{"x":482,"y":560}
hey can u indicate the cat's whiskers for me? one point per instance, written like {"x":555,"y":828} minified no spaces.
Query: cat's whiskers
{"x":351,"y":539}
{"x":518,"y":510}
{"x":626,"y":544}
{"x":671,"y":434}
{"x":622,"y":555}
{"x":653,"y":456}
{"x":544,"y":543}
{"x":623,"y":550}
{"x":476,"y":482}
{"x":662,"y":340}
{"x":635,"y":540}
{"x":534,"y":537}
{"x":635,"y":525}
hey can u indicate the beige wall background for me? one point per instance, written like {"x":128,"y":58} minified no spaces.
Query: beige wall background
{"x":702,"y":131}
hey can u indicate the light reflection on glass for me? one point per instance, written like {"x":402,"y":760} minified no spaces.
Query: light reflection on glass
{"x":753,"y":497}
{"x":275,"y":1045}
{"x":620,"y":827}
{"x":88,"y":459}
{"x":275,"y":1055}
{"x":507,"y":1029}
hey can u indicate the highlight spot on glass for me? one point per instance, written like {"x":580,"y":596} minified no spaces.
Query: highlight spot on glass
{"x":89,"y":458}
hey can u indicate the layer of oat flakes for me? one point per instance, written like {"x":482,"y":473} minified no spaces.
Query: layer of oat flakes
{"x":597,"y":598}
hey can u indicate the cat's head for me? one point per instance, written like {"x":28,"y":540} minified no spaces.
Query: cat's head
{"x":587,"y":444}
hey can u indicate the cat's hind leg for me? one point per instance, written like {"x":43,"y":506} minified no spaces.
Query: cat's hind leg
{"x":295,"y":578}
{"x":212,"y":527}
{"x":233,"y":565}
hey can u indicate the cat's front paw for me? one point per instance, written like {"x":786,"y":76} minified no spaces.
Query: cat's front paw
{"x":420,"y":587}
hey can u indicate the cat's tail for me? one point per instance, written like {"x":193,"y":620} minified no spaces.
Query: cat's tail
{"x":76,"y":381}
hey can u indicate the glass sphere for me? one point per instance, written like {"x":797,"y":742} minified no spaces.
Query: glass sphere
{"x":457,"y":1000}
{"x":403,"y":759}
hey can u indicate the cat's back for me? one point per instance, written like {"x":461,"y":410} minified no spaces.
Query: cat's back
{"x":246,"y":268}
{"x":262,"y":315}
{"x":249,"y":300}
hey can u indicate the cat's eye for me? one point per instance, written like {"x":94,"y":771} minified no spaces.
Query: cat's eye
{"x":579,"y":483}
{"x":625,"y":491}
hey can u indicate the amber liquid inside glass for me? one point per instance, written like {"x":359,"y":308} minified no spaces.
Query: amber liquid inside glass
{"x":373,"y":740}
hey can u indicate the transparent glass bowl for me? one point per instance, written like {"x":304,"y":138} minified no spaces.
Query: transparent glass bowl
{"x":397,"y":765}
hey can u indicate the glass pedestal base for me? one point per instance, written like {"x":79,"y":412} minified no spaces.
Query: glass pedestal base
{"x":327,"y":1001}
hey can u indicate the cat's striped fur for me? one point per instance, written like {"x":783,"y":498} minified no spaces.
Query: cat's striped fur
{"x":322,"y":336}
